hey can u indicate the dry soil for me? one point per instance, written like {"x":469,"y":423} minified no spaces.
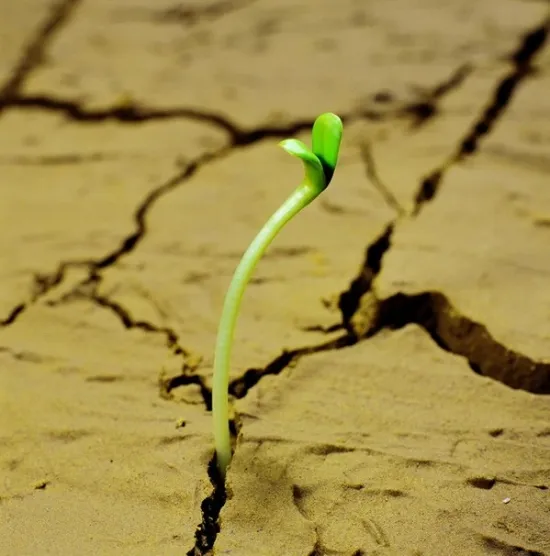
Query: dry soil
{"x":391,"y":370}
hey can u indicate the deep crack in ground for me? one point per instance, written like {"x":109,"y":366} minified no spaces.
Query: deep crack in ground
{"x":462,"y":336}
{"x":211,"y":506}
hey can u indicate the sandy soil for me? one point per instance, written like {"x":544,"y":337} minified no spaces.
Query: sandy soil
{"x":392,"y":363}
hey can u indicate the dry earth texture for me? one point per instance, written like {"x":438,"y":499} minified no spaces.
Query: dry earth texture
{"x":391,"y":371}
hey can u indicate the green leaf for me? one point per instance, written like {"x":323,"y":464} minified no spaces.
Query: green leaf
{"x":325,"y":140}
{"x":315,"y":174}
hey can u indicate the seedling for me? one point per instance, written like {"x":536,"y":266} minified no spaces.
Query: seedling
{"x":319,"y":165}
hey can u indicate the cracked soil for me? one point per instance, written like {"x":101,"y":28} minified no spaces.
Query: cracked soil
{"x":391,"y":370}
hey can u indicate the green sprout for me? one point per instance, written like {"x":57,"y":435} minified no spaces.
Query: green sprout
{"x":319,"y":165}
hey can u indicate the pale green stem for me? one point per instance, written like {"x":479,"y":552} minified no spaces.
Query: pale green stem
{"x":299,"y":199}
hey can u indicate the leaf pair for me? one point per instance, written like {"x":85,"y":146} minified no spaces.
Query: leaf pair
{"x":319,"y":162}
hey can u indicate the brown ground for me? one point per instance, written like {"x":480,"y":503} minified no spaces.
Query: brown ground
{"x":392,"y":357}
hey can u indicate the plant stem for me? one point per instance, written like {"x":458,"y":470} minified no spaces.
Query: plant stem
{"x":299,"y":199}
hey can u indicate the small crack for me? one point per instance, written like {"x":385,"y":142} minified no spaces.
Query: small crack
{"x":88,"y":290}
{"x":127,"y":111}
{"x":239,"y":387}
{"x":166,"y":385}
{"x":13,"y":315}
{"x":22,"y":355}
{"x":427,"y":108}
{"x":350,"y":300}
{"x":132,"y":241}
{"x":425,"y":104}
{"x":365,"y":150}
{"x":33,"y":54}
{"x":521,"y":59}
{"x":187,"y":16}
{"x":317,"y":549}
{"x":58,"y":159}
{"x":172,"y":341}
{"x":44,"y":282}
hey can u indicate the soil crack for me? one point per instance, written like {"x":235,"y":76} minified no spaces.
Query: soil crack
{"x":132,"y":112}
{"x":211,"y":506}
{"x":127,"y":111}
{"x":58,"y":159}
{"x":125,"y":317}
{"x":448,"y":328}
{"x":460,"y":335}
{"x":189,"y":16}
{"x":351,"y":299}
{"x":359,"y":305}
{"x":88,"y":290}
{"x":427,"y":107}
{"x":33,"y":54}
{"x":365,"y":150}
{"x":166,"y":385}
{"x":239,"y":138}
{"x":521,"y":59}
{"x":44,"y":282}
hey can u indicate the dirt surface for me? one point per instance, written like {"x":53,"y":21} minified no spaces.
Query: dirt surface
{"x":391,"y":371}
